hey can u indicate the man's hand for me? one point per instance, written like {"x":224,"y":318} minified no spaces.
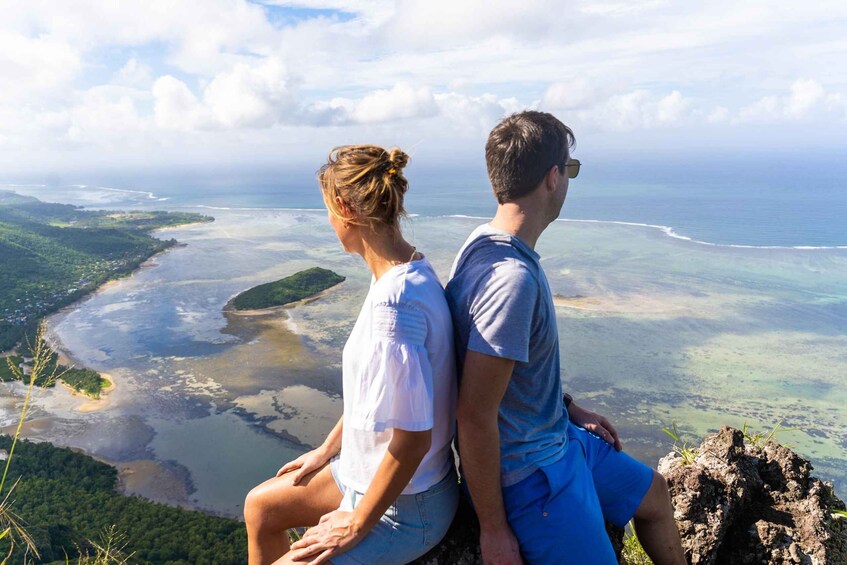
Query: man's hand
{"x":500,"y":547}
{"x":594,"y":423}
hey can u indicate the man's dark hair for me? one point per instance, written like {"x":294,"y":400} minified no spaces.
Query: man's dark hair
{"x":521,"y":149}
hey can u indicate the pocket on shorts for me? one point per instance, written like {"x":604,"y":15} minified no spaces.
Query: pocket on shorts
{"x":437,"y":507}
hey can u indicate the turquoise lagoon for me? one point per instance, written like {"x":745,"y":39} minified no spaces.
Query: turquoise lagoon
{"x":654,"y":328}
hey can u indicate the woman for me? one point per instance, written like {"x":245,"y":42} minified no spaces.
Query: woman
{"x":382,"y":487}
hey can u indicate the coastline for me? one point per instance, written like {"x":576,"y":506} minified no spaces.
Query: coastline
{"x":65,"y":357}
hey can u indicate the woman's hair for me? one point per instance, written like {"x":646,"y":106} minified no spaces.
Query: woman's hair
{"x":369,"y":180}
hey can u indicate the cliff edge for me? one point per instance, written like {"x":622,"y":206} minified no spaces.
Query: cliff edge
{"x":736,"y":503}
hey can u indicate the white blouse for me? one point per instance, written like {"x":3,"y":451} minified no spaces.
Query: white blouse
{"x":399,"y":371}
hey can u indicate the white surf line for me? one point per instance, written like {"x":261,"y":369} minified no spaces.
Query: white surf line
{"x":669,"y":231}
{"x":238,"y":208}
{"x":149,"y":195}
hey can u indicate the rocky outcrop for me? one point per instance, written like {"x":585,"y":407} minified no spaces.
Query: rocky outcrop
{"x":739,"y":503}
{"x":735,"y":504}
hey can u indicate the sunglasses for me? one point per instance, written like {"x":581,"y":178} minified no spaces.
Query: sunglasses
{"x":573,"y":168}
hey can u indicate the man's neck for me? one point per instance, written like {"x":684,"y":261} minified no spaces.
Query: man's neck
{"x":523,"y":219}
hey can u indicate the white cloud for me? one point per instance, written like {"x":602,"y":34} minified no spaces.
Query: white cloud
{"x":807,"y":99}
{"x":134,"y":73}
{"x":243,"y":74}
{"x":672,"y":108}
{"x":718,"y":115}
{"x":569,"y":95}
{"x":805,"y":94}
{"x":34,"y":66}
{"x":474,"y":116}
{"x":107,"y":116}
{"x":638,"y":109}
{"x":401,"y":102}
{"x":176,"y":106}
{"x":243,"y":97}
{"x":249,"y":96}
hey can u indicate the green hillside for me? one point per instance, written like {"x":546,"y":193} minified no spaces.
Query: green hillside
{"x":54,"y":254}
{"x":290,"y":289}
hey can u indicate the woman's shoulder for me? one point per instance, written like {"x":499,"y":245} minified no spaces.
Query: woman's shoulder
{"x":415,"y":291}
{"x":409,"y":284}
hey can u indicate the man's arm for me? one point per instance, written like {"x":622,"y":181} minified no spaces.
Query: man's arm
{"x":484,"y":382}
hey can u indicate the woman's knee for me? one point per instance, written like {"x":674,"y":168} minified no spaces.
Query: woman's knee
{"x":260,"y":510}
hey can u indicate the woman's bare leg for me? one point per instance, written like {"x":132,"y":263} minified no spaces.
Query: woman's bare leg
{"x":277,"y":505}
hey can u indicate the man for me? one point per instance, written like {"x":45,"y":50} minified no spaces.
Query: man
{"x":542,"y":476}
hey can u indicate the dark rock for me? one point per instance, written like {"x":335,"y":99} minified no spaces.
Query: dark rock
{"x":736,"y":504}
{"x":739,"y":504}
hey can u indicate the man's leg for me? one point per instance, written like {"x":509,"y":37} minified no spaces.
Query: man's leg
{"x":627,"y":490}
{"x":556,"y":516}
{"x":655,"y":525}
{"x":276,"y":505}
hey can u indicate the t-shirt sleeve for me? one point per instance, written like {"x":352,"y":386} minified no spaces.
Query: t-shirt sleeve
{"x":396,"y":390}
{"x":501,"y":313}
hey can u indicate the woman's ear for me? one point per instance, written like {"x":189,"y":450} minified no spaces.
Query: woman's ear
{"x":345,"y":210}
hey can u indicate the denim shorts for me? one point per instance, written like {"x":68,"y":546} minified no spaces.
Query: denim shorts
{"x":410,"y":527}
{"x":558,"y":512}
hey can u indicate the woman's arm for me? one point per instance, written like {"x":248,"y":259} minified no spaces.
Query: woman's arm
{"x":339,"y":531}
{"x":404,"y":454}
{"x":313,"y":460}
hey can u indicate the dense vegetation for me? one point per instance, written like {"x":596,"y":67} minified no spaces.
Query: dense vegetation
{"x":54,"y":254}
{"x":81,"y":380}
{"x":66,"y":499}
{"x":290,"y":289}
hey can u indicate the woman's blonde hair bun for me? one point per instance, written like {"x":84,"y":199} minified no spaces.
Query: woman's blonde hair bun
{"x":369,"y":181}
{"x":398,"y":158}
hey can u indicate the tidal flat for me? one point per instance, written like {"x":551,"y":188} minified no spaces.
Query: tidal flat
{"x":653,"y":329}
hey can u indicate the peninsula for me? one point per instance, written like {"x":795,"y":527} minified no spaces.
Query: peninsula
{"x":55,"y":254}
{"x":298,"y":286}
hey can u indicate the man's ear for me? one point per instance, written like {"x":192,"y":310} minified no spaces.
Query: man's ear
{"x":551,"y":179}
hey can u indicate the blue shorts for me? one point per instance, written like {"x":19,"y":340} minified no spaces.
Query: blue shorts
{"x":410,"y":527}
{"x":558,"y":512}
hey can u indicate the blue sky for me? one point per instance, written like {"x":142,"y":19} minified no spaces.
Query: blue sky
{"x":89,"y":86}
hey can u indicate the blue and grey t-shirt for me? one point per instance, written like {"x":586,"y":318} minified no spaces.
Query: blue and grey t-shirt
{"x":502,"y":306}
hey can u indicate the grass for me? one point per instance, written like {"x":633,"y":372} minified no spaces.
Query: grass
{"x":44,"y":371}
{"x":760,"y":439}
{"x":839,"y":514}
{"x":110,"y":550}
{"x":685,"y":450}
{"x":633,"y":553}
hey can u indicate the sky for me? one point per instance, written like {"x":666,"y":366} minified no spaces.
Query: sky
{"x":90,"y":86}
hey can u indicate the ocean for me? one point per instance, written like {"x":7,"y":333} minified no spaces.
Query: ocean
{"x":703,"y":296}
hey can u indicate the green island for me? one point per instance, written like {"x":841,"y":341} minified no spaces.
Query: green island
{"x":67,"y":500}
{"x":86,"y":381}
{"x":284,"y":291}
{"x":55,"y":254}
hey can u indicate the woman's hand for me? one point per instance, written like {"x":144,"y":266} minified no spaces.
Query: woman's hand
{"x":594,"y":423}
{"x":307,"y":463}
{"x":337,"y":532}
